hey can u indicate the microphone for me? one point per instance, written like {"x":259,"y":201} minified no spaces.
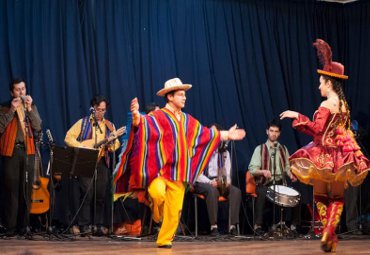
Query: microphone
{"x":92,"y":110}
{"x":274,"y":147}
{"x":50,"y":137}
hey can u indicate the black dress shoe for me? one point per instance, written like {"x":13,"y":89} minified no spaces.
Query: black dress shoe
{"x":233,"y":232}
{"x":259,"y":232}
{"x":98,"y":231}
{"x":11,"y":232}
{"x":85,"y":230}
{"x":166,"y":246}
{"x":2,"y":230}
{"x":214,"y":232}
{"x":25,"y":231}
{"x":355,"y":232}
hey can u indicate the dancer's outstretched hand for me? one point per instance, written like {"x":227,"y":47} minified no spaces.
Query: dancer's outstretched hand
{"x":289,"y":114}
{"x":235,"y":133}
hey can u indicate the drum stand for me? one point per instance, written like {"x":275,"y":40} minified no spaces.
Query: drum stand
{"x":284,"y":230}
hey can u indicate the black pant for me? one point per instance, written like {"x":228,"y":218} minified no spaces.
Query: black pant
{"x":17,"y":188}
{"x":212,"y":194}
{"x":87,"y":185}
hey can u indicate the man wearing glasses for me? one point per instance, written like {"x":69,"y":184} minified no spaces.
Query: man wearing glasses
{"x":87,"y":133}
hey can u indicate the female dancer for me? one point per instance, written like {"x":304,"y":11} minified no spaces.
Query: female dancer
{"x":333,"y":159}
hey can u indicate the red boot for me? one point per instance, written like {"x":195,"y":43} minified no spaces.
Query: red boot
{"x":322,"y":211}
{"x":329,"y":239}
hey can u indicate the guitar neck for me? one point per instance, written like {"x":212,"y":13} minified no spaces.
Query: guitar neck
{"x":104,"y":141}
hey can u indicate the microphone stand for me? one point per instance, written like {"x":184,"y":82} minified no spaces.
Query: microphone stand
{"x":52,"y":187}
{"x":96,"y":124}
{"x":27,"y":191}
{"x":112,"y":188}
{"x":363,"y":149}
{"x":273,"y":161}
{"x":50,"y":172}
{"x":282,"y":223}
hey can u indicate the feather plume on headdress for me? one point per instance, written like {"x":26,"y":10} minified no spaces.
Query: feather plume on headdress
{"x":324,"y":53}
{"x":330,"y":68}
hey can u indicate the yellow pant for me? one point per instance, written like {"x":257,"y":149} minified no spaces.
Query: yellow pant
{"x":167,"y":197}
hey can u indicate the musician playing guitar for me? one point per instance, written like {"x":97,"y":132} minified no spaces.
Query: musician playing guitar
{"x":95,"y":132}
{"x":215,"y":181}
{"x":269,"y":165}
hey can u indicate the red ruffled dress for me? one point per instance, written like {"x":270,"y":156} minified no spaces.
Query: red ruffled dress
{"x":333,"y":155}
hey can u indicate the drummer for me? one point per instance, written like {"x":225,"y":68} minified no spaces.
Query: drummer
{"x":269,"y":165}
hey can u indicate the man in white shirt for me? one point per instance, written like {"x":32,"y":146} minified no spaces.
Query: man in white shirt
{"x":214,"y":180}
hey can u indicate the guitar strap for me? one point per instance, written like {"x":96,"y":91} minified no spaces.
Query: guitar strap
{"x":86,"y":130}
{"x":265,"y":157}
{"x":109,"y":129}
{"x":109,"y":125}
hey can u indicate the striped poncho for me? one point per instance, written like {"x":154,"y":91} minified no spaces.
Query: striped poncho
{"x":163,"y":146}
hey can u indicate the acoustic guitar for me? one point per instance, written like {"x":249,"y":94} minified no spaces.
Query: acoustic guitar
{"x":90,"y":143}
{"x":40,"y":198}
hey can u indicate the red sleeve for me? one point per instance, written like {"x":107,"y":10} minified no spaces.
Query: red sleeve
{"x":305,"y":125}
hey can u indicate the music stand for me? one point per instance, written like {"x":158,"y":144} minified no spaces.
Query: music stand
{"x":75,"y":161}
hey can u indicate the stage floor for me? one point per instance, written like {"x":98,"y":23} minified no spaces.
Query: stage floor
{"x":109,"y":246}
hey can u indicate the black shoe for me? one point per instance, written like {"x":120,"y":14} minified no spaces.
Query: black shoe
{"x":2,"y":230}
{"x":24,"y":233}
{"x":85,"y":230}
{"x":98,"y":231}
{"x":355,"y":232}
{"x":10,"y":232}
{"x":214,"y":232}
{"x":166,"y":246}
{"x":233,"y":232}
{"x":293,"y":233}
{"x":259,"y":232}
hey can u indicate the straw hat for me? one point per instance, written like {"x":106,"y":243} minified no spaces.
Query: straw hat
{"x":173,"y":85}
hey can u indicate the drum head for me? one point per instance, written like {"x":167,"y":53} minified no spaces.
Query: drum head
{"x":283,"y":196}
{"x":284,"y":190}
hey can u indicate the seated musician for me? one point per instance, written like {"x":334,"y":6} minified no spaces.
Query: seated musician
{"x":269,"y":165}
{"x":215,"y":181}
{"x":83,"y":134}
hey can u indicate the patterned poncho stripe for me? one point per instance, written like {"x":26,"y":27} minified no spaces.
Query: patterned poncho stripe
{"x":163,"y":145}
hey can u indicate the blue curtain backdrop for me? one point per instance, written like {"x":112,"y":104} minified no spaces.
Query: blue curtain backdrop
{"x":247,"y":60}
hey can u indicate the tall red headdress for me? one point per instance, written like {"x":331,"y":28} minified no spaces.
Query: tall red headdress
{"x":330,"y":68}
